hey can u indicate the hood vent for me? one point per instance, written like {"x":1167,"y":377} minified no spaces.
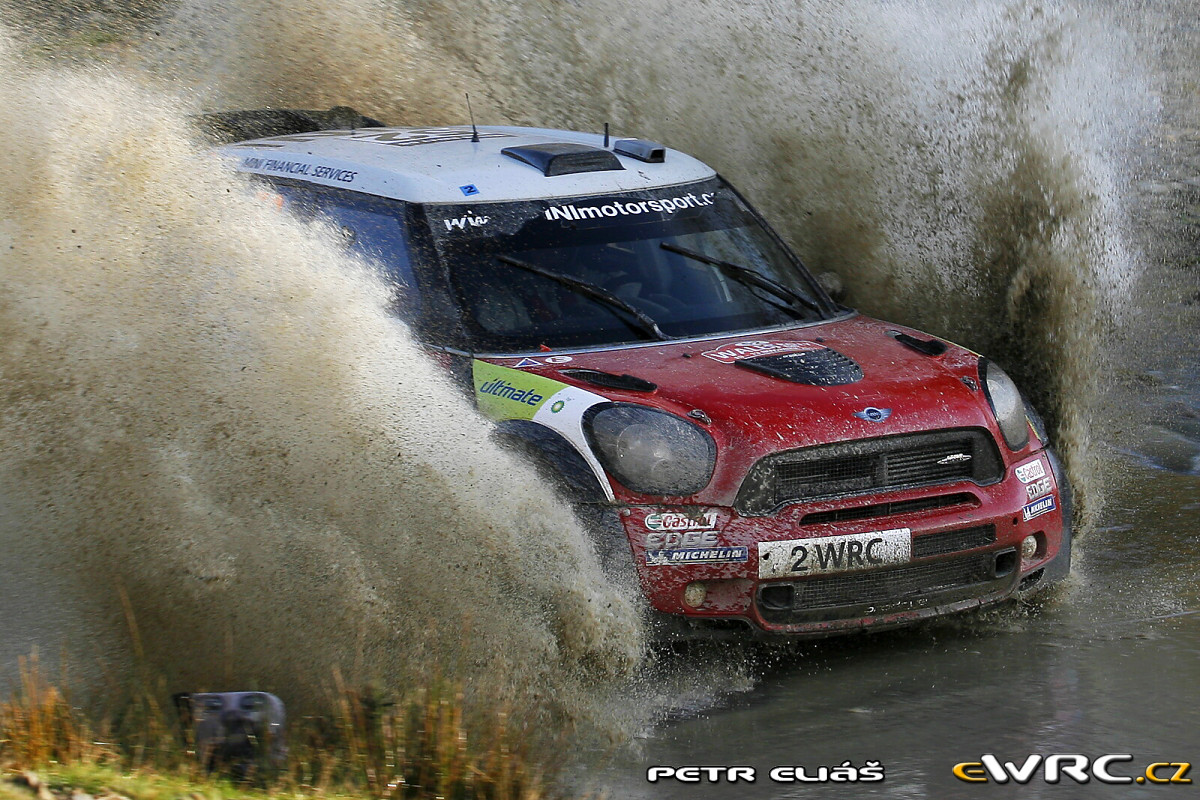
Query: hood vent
{"x":928,"y":347}
{"x":824,"y":367}
{"x":609,"y":380}
{"x":564,"y":158}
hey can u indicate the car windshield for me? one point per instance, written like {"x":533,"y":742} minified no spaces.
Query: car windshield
{"x":689,"y":260}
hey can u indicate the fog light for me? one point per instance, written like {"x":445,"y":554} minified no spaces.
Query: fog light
{"x":1029,"y":548}
{"x":694,"y":594}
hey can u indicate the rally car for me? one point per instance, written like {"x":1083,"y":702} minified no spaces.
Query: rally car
{"x":758,"y":457}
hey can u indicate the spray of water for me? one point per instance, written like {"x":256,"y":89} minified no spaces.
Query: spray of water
{"x":205,"y":403}
{"x":959,"y":165}
{"x":208,"y":411}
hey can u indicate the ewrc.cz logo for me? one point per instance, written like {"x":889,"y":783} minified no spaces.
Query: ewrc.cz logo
{"x":1075,"y":766}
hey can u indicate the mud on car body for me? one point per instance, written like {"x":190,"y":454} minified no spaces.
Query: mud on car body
{"x":756,"y":456}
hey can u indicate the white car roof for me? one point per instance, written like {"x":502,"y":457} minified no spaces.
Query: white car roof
{"x":443,"y":165}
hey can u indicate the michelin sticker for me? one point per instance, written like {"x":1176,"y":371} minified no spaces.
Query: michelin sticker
{"x":741,"y":350}
{"x":1031,"y":471}
{"x":711,"y":555}
{"x":1036,"y":509}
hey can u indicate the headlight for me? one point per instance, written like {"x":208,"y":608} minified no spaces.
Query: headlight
{"x":1007,"y":404}
{"x":651,"y":451}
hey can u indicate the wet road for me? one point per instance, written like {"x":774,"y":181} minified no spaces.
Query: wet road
{"x":1110,"y":665}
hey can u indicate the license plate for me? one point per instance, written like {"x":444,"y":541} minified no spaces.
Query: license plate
{"x":800,"y":558}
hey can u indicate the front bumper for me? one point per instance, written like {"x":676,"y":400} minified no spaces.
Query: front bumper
{"x":966,"y":553}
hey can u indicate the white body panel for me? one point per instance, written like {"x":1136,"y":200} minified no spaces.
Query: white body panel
{"x":443,"y":165}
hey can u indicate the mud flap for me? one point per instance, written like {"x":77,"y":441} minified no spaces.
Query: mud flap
{"x":1060,"y":567}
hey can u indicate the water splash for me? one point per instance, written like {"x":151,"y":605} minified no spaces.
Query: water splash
{"x":961,"y":166}
{"x":206,"y":406}
{"x":220,"y":413}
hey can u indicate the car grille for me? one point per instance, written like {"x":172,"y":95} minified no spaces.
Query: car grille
{"x":890,"y":509}
{"x":938,"y":544}
{"x":867,"y":465}
{"x":859,"y":594}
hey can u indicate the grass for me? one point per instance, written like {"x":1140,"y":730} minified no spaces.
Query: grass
{"x":370,"y":744}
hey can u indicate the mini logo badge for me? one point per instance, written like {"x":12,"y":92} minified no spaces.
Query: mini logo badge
{"x":872,"y":414}
{"x":957,"y":458}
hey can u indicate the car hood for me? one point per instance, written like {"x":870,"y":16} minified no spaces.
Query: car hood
{"x":753,"y":408}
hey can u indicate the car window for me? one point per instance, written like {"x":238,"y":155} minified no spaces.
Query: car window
{"x":369,"y":228}
{"x":649,"y":250}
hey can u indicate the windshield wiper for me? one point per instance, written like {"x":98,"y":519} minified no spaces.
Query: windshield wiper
{"x":644,"y":323}
{"x":745,"y":276}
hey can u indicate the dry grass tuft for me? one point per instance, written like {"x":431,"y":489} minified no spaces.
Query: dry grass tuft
{"x":371,"y":744}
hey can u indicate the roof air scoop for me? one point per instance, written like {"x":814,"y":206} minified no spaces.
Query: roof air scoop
{"x":642,"y":150}
{"x":564,"y":158}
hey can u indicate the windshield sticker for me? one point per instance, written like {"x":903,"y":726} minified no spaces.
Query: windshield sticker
{"x":742,"y":350}
{"x":667,"y":205}
{"x":714,"y":555}
{"x":465,"y":221}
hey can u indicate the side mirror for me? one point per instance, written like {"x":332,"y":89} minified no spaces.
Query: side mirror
{"x":832,"y":283}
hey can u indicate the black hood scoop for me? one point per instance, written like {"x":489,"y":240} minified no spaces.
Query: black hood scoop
{"x":610,"y":381}
{"x":823,"y":367}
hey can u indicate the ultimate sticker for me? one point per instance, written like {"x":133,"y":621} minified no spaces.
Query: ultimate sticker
{"x":504,"y":393}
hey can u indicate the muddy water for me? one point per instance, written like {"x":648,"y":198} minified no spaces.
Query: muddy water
{"x":1009,"y":156}
{"x":1109,"y":664}
{"x":1112,"y":665}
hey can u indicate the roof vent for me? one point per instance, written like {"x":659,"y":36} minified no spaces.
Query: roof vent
{"x":642,"y":150}
{"x":564,"y":158}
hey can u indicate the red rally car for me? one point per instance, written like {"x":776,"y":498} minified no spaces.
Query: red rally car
{"x":756,"y":456}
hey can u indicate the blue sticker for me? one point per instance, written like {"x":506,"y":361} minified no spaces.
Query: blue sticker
{"x":527,"y":362}
{"x":469,"y":189}
{"x":697,"y":555}
{"x":1036,"y":509}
